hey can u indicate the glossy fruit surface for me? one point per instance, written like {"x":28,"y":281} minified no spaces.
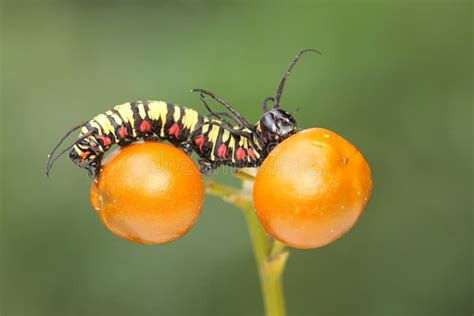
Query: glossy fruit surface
{"x":312,"y":188}
{"x":149,"y":193}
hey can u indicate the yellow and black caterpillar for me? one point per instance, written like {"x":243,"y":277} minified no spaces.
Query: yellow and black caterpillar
{"x":215,"y":139}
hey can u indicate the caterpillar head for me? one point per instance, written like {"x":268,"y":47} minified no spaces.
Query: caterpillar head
{"x":85,"y":155}
{"x":276,"y":125}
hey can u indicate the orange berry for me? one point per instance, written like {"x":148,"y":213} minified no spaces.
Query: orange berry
{"x":312,"y":188}
{"x":149,"y":193}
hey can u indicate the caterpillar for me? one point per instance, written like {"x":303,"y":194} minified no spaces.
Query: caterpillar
{"x":221,"y":138}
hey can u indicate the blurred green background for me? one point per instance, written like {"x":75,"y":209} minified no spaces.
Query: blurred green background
{"x":395,"y":78}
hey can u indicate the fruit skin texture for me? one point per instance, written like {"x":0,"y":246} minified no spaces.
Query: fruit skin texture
{"x":312,"y":188}
{"x":149,"y":193}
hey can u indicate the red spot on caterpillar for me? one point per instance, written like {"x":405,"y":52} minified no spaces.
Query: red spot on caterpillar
{"x":123,"y":132}
{"x":222,"y":151}
{"x":200,"y":141}
{"x":240,"y":153}
{"x":252,"y":154}
{"x":106,"y":140}
{"x":145,"y":126}
{"x":174,"y":130}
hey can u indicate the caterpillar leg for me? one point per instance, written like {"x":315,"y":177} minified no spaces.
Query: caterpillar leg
{"x":187,"y":148}
{"x":93,"y":171}
{"x":206,"y":167}
{"x":94,"y":167}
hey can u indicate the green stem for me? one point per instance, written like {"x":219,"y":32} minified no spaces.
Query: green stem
{"x":270,"y":254}
{"x":270,"y":268}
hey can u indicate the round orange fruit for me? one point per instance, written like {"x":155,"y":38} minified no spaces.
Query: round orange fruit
{"x":312,"y":188}
{"x":149,"y":193}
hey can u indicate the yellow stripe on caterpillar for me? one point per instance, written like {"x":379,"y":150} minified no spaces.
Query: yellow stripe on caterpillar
{"x":153,"y":110}
{"x":157,"y":110}
{"x":104,"y":121}
{"x":177,"y":113}
{"x":77,"y":150}
{"x":195,"y":120}
{"x":256,"y":153}
{"x":116,"y":117}
{"x":125,"y":111}
{"x":225,"y":135}
{"x":213,"y":134}
{"x":190,"y":119}
{"x":256,"y":142}
{"x":96,"y":125}
{"x":141,"y":110}
{"x":205,"y":128}
{"x":163,"y":108}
